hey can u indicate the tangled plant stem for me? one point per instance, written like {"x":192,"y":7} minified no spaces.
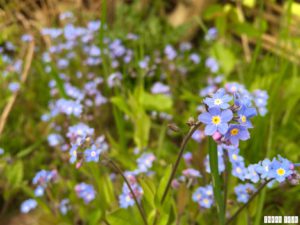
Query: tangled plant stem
{"x":117,"y":168}
{"x":232,"y":218}
{"x":193,"y":128}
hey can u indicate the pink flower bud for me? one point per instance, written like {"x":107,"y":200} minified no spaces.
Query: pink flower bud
{"x":216,"y":136}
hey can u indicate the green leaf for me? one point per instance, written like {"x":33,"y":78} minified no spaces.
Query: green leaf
{"x":121,"y":104}
{"x":216,"y":181}
{"x":124,"y":217}
{"x":224,"y":56}
{"x":246,"y":29}
{"x":163,"y":183}
{"x":149,"y":190}
{"x":161,"y":103}
{"x":94,"y":217}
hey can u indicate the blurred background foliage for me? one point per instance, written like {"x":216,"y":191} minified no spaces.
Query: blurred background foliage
{"x":258,"y":45}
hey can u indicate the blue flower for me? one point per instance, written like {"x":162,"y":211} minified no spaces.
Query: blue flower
{"x":264,"y":168}
{"x":39,"y":191}
{"x":244,"y":191}
{"x":251,"y":173}
{"x":28,"y":205}
{"x":126,"y":199}
{"x":85,"y":191}
{"x":233,"y":153}
{"x":239,"y":170}
{"x":236,"y":133}
{"x":212,"y":64}
{"x":204,"y":196}
{"x":211,"y":34}
{"x":280,"y":169}
{"x":92,"y":154}
{"x":216,"y":120}
{"x":63,"y":206}
{"x":245,"y":113}
{"x":220,"y":99}
{"x":145,"y":162}
{"x":198,"y":135}
{"x":191,"y":173}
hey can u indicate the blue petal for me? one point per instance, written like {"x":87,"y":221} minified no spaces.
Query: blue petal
{"x":210,"y":129}
{"x":205,"y":118}
{"x":226,"y":98}
{"x":222,"y":128}
{"x":226,"y":115}
{"x":214,"y":111}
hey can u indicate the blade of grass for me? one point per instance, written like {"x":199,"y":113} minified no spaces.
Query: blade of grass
{"x":213,"y":162}
{"x":263,"y":193}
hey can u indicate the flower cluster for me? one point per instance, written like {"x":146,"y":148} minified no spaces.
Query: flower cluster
{"x":227,"y":123}
{"x":126,"y":198}
{"x":204,"y":196}
{"x":41,"y":179}
{"x":85,"y":191}
{"x":244,"y":191}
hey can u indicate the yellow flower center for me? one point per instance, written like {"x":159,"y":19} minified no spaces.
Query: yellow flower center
{"x":238,"y":170}
{"x":244,"y":119}
{"x":198,"y":196}
{"x":205,"y":201}
{"x":234,"y":156}
{"x":280,"y":171}
{"x":216,"y":120}
{"x":218,"y":101}
{"x":234,"y":131}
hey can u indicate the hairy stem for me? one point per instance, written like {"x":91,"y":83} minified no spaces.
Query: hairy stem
{"x":249,"y":201}
{"x":117,"y":168}
{"x":193,"y":128}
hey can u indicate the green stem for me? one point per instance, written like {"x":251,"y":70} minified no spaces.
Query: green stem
{"x":183,"y":145}
{"x":213,"y":163}
{"x":226,"y":178}
{"x":249,"y":201}
{"x":131,"y":191}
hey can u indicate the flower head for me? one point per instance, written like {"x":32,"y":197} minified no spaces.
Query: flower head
{"x":216,"y":120}
{"x":28,"y":205}
{"x":243,"y":192}
{"x":220,"y":100}
{"x":280,"y":169}
{"x":235,"y":133}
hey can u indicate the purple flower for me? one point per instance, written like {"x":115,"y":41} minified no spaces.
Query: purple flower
{"x":198,"y":135}
{"x":220,"y":99}
{"x":216,"y":120}
{"x":160,"y":88}
{"x":235,"y":133}
{"x":212,"y":64}
{"x":170,"y":52}
{"x":191,"y":173}
{"x":211,"y":34}
{"x":195,"y":58}
{"x":145,"y":162}
{"x":14,"y":86}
